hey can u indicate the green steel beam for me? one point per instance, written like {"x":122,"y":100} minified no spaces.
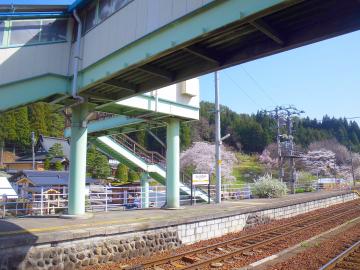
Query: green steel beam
{"x":78,"y":147}
{"x":109,"y":123}
{"x":174,"y":36}
{"x":31,"y":90}
{"x":173,"y":164}
{"x":171,"y":37}
{"x":145,"y":189}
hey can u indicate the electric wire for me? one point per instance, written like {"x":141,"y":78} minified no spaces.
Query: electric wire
{"x":258,"y":85}
{"x":241,"y":89}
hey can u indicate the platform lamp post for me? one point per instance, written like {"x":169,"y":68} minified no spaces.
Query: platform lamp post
{"x":33,"y":149}
{"x":217,"y":141}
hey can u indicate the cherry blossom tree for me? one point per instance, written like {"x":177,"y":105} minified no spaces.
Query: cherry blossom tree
{"x":201,"y":157}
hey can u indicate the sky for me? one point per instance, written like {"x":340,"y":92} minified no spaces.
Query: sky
{"x":322,"y":78}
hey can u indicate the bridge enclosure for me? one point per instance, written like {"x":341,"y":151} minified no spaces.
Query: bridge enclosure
{"x":129,"y":48}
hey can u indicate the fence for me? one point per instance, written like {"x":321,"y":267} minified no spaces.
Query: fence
{"x":109,"y":198}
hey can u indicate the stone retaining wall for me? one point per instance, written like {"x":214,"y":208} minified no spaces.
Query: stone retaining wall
{"x":203,"y":230}
{"x":96,"y":250}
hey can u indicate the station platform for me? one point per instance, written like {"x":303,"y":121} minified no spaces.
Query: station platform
{"x":41,"y":230}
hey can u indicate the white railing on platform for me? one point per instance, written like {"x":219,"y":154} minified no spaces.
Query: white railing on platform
{"x":109,"y":198}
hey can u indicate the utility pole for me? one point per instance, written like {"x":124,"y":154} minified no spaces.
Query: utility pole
{"x":285,"y":149}
{"x":2,"y":143}
{"x":278,"y":114}
{"x":352,"y":166}
{"x":290,"y":112}
{"x":33,"y":149}
{"x":278,"y":142}
{"x":291,"y":149}
{"x":217,"y":140}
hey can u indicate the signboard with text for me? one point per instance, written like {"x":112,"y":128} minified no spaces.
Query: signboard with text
{"x":200,"y":179}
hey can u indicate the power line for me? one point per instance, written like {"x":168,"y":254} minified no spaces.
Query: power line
{"x":258,"y":85}
{"x":242,"y":90}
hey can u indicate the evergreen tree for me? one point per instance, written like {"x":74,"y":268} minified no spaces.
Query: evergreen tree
{"x":9,"y":126}
{"x":47,"y":164}
{"x":55,"y":151}
{"x":58,"y":166}
{"x":55,"y":124}
{"x":97,"y":164}
{"x":185,"y":136}
{"x":122,"y":173}
{"x":38,"y":116}
{"x":22,"y":127}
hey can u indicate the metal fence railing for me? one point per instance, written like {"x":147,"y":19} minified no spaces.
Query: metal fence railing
{"x":109,"y":198}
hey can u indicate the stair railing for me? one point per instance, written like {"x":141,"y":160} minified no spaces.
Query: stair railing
{"x":150,"y":157}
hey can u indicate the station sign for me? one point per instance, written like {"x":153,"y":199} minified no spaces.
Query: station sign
{"x":200,"y":179}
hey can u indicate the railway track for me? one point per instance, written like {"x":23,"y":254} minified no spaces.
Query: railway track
{"x":228,"y":252}
{"x":348,"y":259}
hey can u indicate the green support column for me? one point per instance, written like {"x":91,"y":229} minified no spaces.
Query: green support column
{"x":145,"y":190}
{"x":78,"y":147}
{"x":173,"y":164}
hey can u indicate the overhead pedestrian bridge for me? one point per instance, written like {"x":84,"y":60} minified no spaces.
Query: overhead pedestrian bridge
{"x":92,"y":56}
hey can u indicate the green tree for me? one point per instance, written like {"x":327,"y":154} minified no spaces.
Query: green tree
{"x":22,"y":127}
{"x":133,"y":176}
{"x":47,"y":164}
{"x":55,"y":151}
{"x":141,"y":137}
{"x":97,"y":164}
{"x":8,"y":126}
{"x":185,"y":136}
{"x":37,"y":112}
{"x":122,"y":173}
{"x":58,"y":166}
{"x":55,"y":123}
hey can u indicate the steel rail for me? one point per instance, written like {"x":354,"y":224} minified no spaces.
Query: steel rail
{"x":345,"y":257}
{"x":266,"y":242}
{"x":243,"y":238}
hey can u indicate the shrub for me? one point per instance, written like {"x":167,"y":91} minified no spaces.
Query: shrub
{"x":267,"y":187}
{"x":305,"y":181}
{"x":122,"y":173}
{"x":133,"y":176}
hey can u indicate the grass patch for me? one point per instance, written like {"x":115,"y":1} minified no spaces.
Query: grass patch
{"x":247,"y":169}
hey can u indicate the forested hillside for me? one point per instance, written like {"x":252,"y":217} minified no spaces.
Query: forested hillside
{"x":16,"y":125}
{"x":249,"y":133}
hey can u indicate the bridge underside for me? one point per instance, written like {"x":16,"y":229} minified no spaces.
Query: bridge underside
{"x":201,"y":42}
{"x":280,"y":28}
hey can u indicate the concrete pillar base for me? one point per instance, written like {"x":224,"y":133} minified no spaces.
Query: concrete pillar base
{"x":83,"y":216}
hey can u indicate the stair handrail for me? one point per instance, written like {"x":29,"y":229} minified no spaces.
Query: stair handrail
{"x":151,"y":157}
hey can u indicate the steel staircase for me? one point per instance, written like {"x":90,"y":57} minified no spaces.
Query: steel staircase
{"x":124,"y":149}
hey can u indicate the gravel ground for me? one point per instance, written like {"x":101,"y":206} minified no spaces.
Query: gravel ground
{"x":319,"y":254}
{"x":245,"y":260}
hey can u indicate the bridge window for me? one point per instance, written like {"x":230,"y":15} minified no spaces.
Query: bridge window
{"x":99,"y":10}
{"x":90,"y":20}
{"x":53,"y":30}
{"x":121,"y":3}
{"x":2,"y":30}
{"x":24,"y":32}
{"x":28,"y":32}
{"x":106,"y":8}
